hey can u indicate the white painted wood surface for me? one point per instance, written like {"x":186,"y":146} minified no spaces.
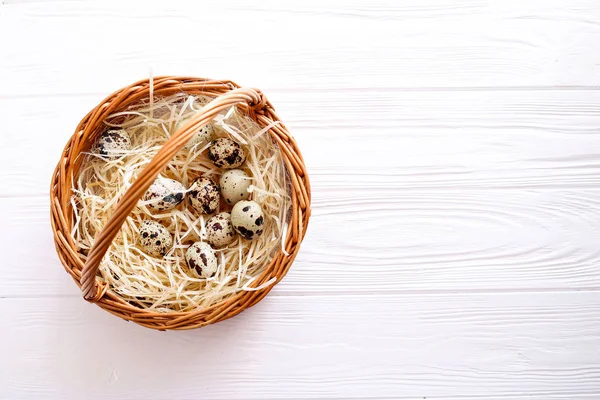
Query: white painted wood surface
{"x":453,"y":146}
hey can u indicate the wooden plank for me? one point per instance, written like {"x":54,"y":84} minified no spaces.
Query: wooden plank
{"x":477,"y":346}
{"x":379,"y":241}
{"x":453,"y":250}
{"x":372,"y":139}
{"x":319,"y":44}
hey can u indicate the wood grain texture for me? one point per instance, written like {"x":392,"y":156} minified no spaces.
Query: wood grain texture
{"x":402,"y":139}
{"x":534,"y":346}
{"x":316,"y":44}
{"x":391,"y":242}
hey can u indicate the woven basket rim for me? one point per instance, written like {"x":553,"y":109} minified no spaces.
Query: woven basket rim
{"x":225,"y":92}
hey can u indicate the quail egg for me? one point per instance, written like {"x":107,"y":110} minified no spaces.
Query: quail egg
{"x":205,"y":134}
{"x":204,"y":195}
{"x":201,"y":257}
{"x":113,"y":143}
{"x":225,"y":153}
{"x":247,"y":219}
{"x":219,"y":230}
{"x":234,"y":185}
{"x":154,"y":238}
{"x":164,"y":194}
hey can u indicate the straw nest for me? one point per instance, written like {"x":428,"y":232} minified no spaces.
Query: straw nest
{"x":97,"y":208}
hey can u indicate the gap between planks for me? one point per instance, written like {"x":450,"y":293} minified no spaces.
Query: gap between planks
{"x":374,"y":294}
{"x":268,"y":90}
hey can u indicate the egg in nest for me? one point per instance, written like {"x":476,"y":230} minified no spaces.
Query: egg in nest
{"x":164,"y":194}
{"x":201,"y":257}
{"x":247,"y":218}
{"x":219,"y":230}
{"x":154,"y":238}
{"x":234,"y":186}
{"x":204,"y":134}
{"x":204,"y":195}
{"x":113,"y":143}
{"x":225,"y":153}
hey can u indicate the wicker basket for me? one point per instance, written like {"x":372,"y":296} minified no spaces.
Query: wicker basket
{"x":84,"y":272}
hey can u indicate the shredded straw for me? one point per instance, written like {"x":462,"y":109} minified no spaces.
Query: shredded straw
{"x":167,"y":284}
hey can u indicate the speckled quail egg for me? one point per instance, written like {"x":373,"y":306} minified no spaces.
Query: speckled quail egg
{"x":201,"y":257}
{"x":219,"y":230}
{"x":154,"y":238}
{"x":204,"y":195}
{"x":225,"y":153}
{"x":164,"y":194}
{"x":234,"y":185}
{"x":247,"y":219}
{"x":205,"y":134}
{"x":113,"y":143}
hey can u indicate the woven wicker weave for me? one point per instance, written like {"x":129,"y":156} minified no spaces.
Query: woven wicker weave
{"x":83,"y":272}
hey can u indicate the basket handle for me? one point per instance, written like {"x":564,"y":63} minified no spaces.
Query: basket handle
{"x":252,"y":98}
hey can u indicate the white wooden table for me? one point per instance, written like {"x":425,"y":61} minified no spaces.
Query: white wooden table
{"x":454,"y":151}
